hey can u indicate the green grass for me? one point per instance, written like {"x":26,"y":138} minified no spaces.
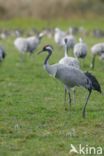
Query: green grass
{"x":32,"y":116}
{"x":25,"y":23}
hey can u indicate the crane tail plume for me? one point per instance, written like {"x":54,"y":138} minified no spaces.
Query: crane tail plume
{"x":95,"y":84}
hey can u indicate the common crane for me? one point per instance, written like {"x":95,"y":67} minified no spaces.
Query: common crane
{"x":71,"y":76}
{"x":80,"y":49}
{"x":59,"y":37}
{"x":70,"y":61}
{"x":97,"y":49}
{"x":28,"y":44}
{"x":70,"y":40}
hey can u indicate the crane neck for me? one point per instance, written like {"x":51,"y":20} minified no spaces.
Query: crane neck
{"x":66,"y":50}
{"x":80,"y":40}
{"x":48,"y":56}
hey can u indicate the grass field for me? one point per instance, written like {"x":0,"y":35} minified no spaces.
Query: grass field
{"x":32,"y":116}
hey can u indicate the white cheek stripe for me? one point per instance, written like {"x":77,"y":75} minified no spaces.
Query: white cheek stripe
{"x":49,"y":48}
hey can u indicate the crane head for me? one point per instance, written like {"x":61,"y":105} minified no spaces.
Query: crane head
{"x":80,"y":40}
{"x":66,"y":40}
{"x":43,"y":33}
{"x":47,"y":48}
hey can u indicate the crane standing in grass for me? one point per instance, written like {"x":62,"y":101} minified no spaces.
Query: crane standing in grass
{"x":70,"y":61}
{"x":60,"y":36}
{"x":28,"y":44}
{"x":70,"y":41}
{"x":97,"y":49}
{"x":80,"y":49}
{"x":71,"y":76}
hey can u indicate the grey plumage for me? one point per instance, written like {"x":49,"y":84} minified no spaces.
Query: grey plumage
{"x":70,"y":41}
{"x":97,"y":50}
{"x":70,"y":61}
{"x":70,"y":76}
{"x":28,"y":44}
{"x":80,"y":49}
{"x":2,"y":54}
{"x":59,"y":37}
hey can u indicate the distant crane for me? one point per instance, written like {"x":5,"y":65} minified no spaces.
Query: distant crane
{"x":28,"y":44}
{"x":97,"y":49}
{"x":70,"y":61}
{"x":59,"y":37}
{"x":70,"y":40}
{"x":71,"y":76}
{"x":2,"y":54}
{"x":80,"y":49}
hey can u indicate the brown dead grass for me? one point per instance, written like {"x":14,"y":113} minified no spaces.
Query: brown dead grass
{"x":49,"y":8}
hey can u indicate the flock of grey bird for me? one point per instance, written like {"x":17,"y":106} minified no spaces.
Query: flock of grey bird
{"x":68,"y":69}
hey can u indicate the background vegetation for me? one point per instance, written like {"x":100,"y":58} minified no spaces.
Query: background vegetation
{"x":51,"y":8}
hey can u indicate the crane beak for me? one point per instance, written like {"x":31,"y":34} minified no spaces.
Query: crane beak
{"x":40,"y":52}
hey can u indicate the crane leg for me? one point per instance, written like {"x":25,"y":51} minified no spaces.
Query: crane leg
{"x":84,"y":108}
{"x":69,"y":99}
{"x":21,"y":57}
{"x":74,"y":97}
{"x":93,"y":62}
{"x":31,"y":56}
{"x":82,"y":62}
{"x":65,"y":91}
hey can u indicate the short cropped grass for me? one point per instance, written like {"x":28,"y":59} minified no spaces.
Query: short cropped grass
{"x":32,"y":116}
